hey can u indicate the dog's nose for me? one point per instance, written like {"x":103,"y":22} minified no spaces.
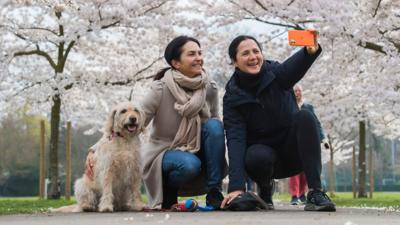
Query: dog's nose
{"x":132,"y":119}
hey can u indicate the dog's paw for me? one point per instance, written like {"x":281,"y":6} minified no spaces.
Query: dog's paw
{"x":88,"y":208}
{"x":136,"y":206}
{"x":106,"y":208}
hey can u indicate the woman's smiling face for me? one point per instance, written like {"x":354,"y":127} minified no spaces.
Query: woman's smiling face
{"x":249,"y":58}
{"x":190,"y":62}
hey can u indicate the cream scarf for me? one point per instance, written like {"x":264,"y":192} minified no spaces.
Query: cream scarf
{"x":190,"y":96}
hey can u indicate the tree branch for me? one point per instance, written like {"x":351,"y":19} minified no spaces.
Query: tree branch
{"x":115,"y":23}
{"x":372,"y":46}
{"x":290,"y":2}
{"x":261,"y":5}
{"x":15,"y":33}
{"x":154,"y":7}
{"x":308,"y":21}
{"x":396,"y":44}
{"x":109,"y":25}
{"x":21,"y":37}
{"x":368,"y":45}
{"x":39,"y":28}
{"x":377,"y":7}
{"x":256,"y":18}
{"x":60,"y":58}
{"x":37,"y":52}
{"x":296,"y":27}
{"x":64,"y":58}
{"x":31,"y":85}
{"x":378,"y":48}
{"x":128,"y":81}
{"x":146,"y":68}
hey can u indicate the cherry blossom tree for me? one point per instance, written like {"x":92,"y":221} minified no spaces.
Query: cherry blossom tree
{"x":356,"y":77}
{"x":74,"y":58}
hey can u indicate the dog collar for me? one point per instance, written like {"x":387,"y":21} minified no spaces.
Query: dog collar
{"x":114,"y":135}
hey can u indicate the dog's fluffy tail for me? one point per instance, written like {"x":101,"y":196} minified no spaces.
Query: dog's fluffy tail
{"x":67,"y":209}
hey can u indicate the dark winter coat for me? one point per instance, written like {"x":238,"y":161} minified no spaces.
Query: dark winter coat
{"x":310,"y":108}
{"x":263,"y":115}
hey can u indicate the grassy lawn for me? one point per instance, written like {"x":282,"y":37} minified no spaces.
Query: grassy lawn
{"x":29,"y":205}
{"x":389,"y":200}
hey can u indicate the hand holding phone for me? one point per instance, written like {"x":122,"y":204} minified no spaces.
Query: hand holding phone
{"x":302,"y":37}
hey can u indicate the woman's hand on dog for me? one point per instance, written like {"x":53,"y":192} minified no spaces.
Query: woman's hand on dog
{"x":229,"y":197}
{"x":89,"y":165}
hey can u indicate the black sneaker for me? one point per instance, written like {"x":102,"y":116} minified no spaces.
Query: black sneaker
{"x":303,"y":199}
{"x":214,"y":198}
{"x":266,"y":192}
{"x":319,"y":201}
{"x":294,"y":201}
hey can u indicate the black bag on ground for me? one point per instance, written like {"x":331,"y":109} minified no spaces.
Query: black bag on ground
{"x":247,"y":201}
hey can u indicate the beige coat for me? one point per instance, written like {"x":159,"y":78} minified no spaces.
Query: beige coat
{"x":158,"y":106}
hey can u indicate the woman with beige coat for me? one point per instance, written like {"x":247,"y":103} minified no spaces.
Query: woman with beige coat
{"x":186,"y":150}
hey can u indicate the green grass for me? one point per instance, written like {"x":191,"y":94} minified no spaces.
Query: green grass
{"x":30,"y":205}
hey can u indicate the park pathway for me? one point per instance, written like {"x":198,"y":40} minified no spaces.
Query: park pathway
{"x":283,"y":215}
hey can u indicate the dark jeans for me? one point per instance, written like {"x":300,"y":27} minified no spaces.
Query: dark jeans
{"x":301,"y":151}
{"x":180,"y":167}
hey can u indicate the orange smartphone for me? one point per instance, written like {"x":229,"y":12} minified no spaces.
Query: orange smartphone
{"x":302,"y":37}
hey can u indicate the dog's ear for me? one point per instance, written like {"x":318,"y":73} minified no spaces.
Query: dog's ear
{"x":109,"y":126}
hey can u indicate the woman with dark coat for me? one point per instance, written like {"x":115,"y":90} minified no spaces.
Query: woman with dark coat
{"x":267,"y":135}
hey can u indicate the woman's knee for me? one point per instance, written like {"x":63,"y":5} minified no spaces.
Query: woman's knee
{"x":190,"y":166}
{"x":259,"y":155}
{"x":214,"y":128}
{"x":179,"y":165}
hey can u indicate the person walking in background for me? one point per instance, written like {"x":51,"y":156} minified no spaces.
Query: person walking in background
{"x":298,"y":183}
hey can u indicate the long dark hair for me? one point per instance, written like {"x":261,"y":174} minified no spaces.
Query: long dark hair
{"x":173,"y":51}
{"x":232,"y":50}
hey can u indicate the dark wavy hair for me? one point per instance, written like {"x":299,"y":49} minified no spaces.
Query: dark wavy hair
{"x":173,"y":51}
{"x":232,"y":50}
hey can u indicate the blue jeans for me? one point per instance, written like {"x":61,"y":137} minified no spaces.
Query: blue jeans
{"x":180,"y":167}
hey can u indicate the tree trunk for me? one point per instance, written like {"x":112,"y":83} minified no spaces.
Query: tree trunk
{"x":54,"y":192}
{"x":68,"y":168}
{"x":362,"y":163}
{"x":371,"y":172}
{"x":354,"y":173}
{"x":42,"y":160}
{"x":331,"y":174}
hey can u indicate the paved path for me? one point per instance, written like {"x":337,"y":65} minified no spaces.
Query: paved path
{"x":283,"y":215}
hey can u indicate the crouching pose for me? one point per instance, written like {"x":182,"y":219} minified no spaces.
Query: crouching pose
{"x":185,"y":154}
{"x":268,"y":136}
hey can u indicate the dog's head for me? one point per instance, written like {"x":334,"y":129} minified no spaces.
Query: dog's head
{"x":126,"y":120}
